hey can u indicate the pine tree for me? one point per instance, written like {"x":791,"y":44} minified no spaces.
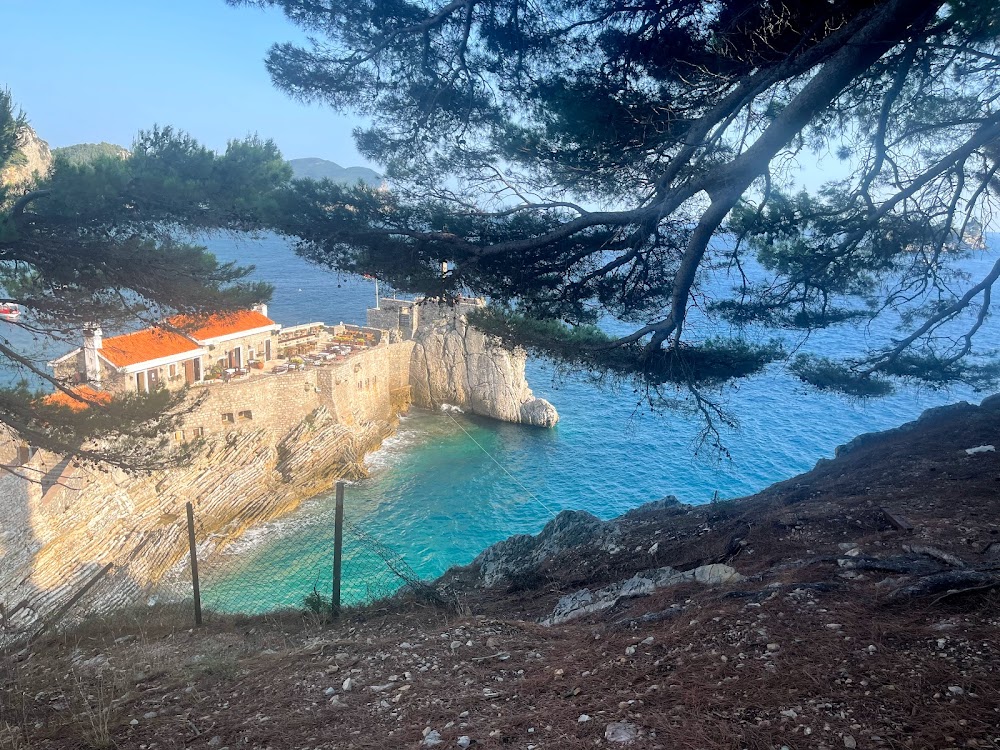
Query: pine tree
{"x":594,"y":165}
{"x":102,"y":241}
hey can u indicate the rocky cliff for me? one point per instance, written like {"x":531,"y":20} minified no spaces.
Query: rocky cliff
{"x":59,"y":533}
{"x":297,"y":435}
{"x":35,"y":158}
{"x":454,"y":363}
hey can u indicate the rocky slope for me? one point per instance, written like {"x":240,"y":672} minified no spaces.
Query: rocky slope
{"x":36,"y":159}
{"x":849,"y":621}
{"x":453,"y":363}
{"x":59,"y":532}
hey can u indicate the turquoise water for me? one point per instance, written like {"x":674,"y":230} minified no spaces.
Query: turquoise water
{"x":448,"y":484}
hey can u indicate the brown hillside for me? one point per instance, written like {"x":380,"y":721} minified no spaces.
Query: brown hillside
{"x":866,"y":618}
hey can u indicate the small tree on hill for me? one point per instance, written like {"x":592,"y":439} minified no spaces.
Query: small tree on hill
{"x":588,"y":162}
{"x":97,"y":241}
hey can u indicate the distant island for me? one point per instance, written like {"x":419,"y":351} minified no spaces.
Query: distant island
{"x":319,"y":169}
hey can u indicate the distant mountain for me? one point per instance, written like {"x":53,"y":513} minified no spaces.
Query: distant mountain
{"x":318,"y":169}
{"x":84,"y":153}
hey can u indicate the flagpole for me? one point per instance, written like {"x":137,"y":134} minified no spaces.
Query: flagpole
{"x":376,"y":293}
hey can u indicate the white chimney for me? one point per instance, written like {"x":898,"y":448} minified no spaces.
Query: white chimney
{"x":261,"y":308}
{"x":92,"y":341}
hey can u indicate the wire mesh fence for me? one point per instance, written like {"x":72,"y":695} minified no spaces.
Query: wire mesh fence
{"x":266,"y":575}
{"x":261,"y":572}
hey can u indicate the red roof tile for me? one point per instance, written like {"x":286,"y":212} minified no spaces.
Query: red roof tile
{"x":144,"y":345}
{"x":60,"y":398}
{"x":221,"y":324}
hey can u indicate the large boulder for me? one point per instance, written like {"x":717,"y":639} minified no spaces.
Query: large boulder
{"x":455,"y":364}
{"x":522,"y":554}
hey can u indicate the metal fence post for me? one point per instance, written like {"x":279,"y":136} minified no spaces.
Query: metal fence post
{"x":338,"y":549}
{"x":194,"y":565}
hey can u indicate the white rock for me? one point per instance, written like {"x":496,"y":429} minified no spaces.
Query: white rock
{"x":849,"y":742}
{"x":582,"y":719}
{"x":629,"y":650}
{"x":464,"y":741}
{"x":432,"y":738}
{"x":621,"y":731}
{"x":956,"y":690}
{"x":348,"y":685}
{"x":655,"y":548}
{"x":981,"y":449}
{"x":646,"y":641}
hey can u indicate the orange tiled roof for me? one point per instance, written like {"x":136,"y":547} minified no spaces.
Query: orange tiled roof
{"x":221,"y":324}
{"x":60,"y":398}
{"x":144,"y":345}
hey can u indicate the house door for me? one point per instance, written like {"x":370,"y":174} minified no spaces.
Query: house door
{"x":140,"y":382}
{"x":267,"y":350}
{"x":189,"y":376}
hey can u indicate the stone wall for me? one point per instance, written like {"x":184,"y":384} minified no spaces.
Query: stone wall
{"x":395,"y":315}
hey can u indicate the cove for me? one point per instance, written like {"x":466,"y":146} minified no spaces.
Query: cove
{"x":448,"y":485}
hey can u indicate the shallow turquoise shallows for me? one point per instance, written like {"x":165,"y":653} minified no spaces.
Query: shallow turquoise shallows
{"x":448,"y":484}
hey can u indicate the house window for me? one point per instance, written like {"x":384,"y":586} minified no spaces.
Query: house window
{"x":246,"y":415}
{"x":179,"y":436}
{"x":172,"y":371}
{"x":199,"y":432}
{"x":228,"y":417}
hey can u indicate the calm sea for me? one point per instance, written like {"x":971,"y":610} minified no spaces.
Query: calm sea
{"x":448,"y":484}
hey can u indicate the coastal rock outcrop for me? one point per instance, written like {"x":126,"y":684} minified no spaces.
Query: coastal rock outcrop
{"x":454,"y":363}
{"x":35,"y":158}
{"x":522,"y":554}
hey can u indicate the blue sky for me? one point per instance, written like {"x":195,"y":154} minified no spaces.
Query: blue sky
{"x":101,"y":70}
